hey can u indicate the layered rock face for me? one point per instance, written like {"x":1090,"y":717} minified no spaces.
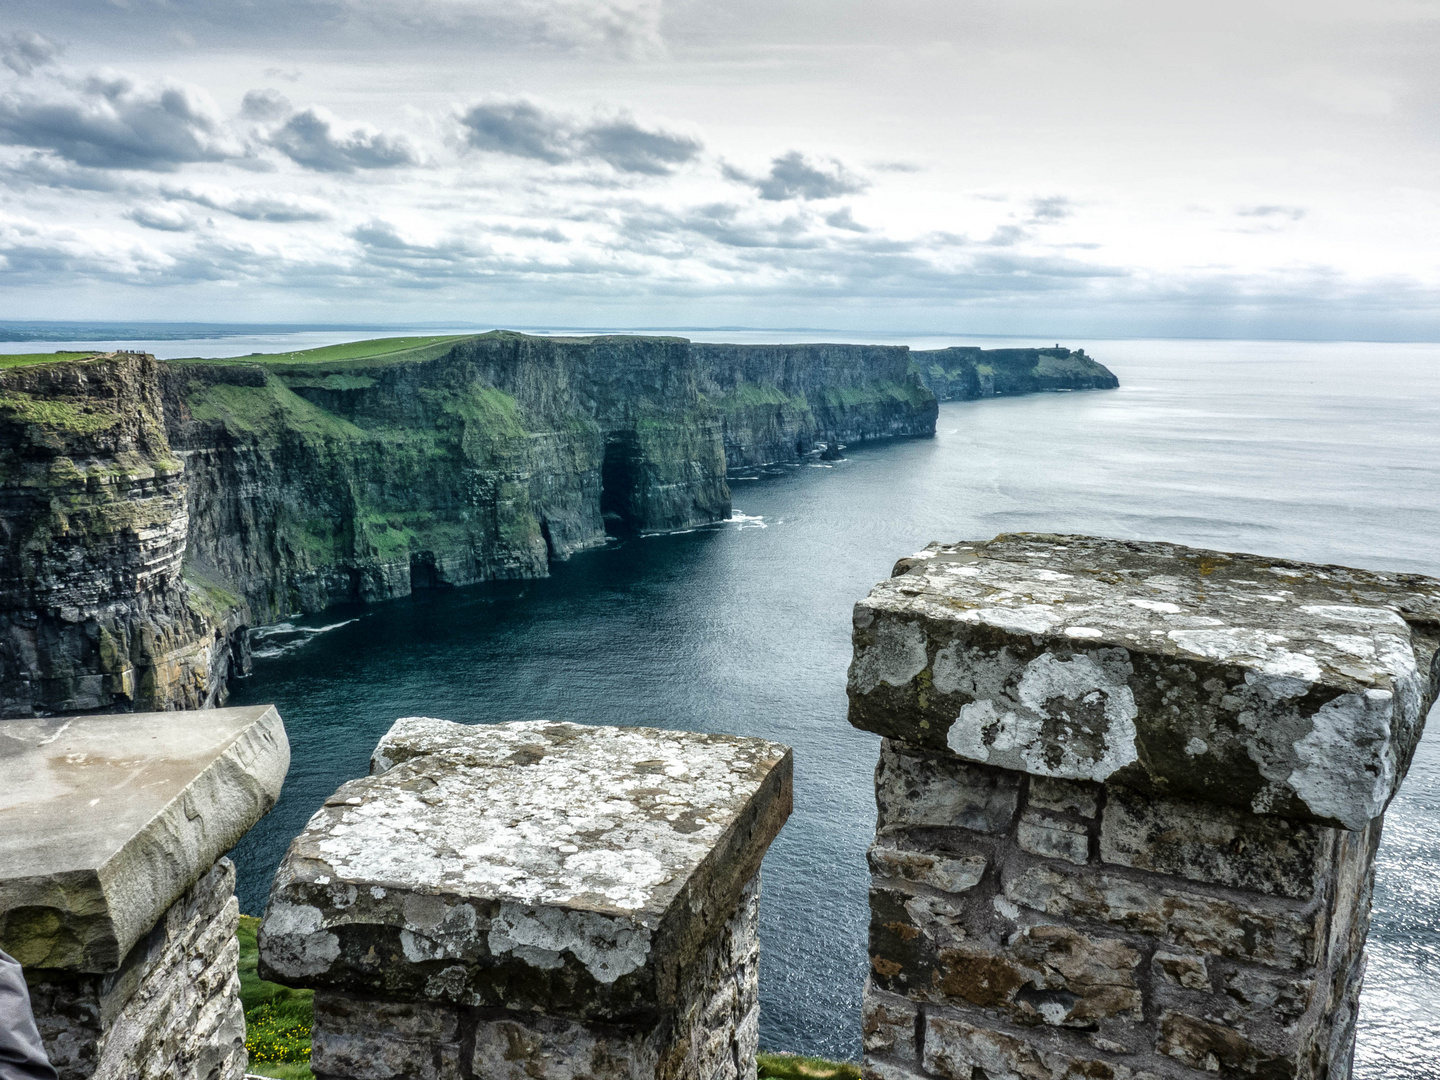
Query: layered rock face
{"x":780,"y":402}
{"x":963,"y":372}
{"x":1128,"y":802}
{"x":95,"y":609}
{"x":534,"y":900}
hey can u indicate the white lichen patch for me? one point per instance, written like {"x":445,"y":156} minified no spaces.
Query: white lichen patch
{"x":1069,"y":718}
{"x":1231,"y":657}
{"x":585,"y":836}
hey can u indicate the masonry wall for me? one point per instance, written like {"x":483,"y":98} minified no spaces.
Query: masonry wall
{"x":714,"y":1034}
{"x":171,"y":1010}
{"x":1030,"y":927}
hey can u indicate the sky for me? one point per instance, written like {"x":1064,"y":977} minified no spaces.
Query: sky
{"x":1048,"y":167}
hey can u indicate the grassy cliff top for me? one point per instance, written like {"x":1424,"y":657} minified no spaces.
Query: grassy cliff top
{"x":376,"y":350}
{"x":9,"y":360}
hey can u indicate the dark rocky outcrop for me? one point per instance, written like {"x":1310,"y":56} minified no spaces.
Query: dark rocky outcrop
{"x":962,"y":373}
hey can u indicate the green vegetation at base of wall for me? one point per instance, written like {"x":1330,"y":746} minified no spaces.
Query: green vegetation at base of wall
{"x":800,"y":1067}
{"x":278,"y":1022}
{"x":277,"y":1019}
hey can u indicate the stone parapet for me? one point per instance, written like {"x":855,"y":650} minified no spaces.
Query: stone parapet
{"x":1128,"y":805}
{"x":534,"y":900}
{"x":114,"y":893}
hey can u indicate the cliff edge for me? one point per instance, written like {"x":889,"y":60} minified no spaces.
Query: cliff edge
{"x":152,"y":511}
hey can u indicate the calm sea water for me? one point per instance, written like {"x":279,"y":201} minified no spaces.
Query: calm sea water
{"x":1324,"y":452}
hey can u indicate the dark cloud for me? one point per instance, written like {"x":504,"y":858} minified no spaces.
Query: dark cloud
{"x":265,"y":104}
{"x":519,"y":128}
{"x":41,"y":169}
{"x":1007,"y":236}
{"x":115,"y":123}
{"x":793,"y":176}
{"x":841,"y":219}
{"x":162,"y":218}
{"x":26,"y":50}
{"x":309,"y":138}
{"x":251,"y":205}
{"x":626,"y":146}
{"x":523,"y":129}
{"x":1051,"y":208}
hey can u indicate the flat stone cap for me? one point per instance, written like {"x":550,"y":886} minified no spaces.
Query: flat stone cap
{"x":548,"y":866}
{"x":106,"y":820}
{"x":1282,"y":687}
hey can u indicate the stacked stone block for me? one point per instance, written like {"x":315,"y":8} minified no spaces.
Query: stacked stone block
{"x":1128,"y":805}
{"x":534,"y":900}
{"x":115,"y":896}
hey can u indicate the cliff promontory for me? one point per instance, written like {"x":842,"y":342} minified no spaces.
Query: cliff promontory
{"x":963,"y":372}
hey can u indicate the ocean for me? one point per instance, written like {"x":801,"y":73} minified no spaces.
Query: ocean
{"x":1327,"y":452}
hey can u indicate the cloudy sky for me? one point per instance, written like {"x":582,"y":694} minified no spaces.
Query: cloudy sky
{"x":1050,"y":167}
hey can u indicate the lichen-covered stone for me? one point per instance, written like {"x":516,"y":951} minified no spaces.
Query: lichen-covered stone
{"x":106,"y":820}
{"x":1278,"y":687}
{"x":170,"y":1012}
{"x":534,"y":900}
{"x":1174,"y":867}
{"x":577,"y":870}
{"x":917,"y":790}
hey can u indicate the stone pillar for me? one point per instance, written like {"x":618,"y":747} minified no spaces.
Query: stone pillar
{"x":114,"y":892}
{"x":1129,"y":797}
{"x":534,"y":900}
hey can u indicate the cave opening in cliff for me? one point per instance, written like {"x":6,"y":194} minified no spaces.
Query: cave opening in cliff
{"x":424,"y":574}
{"x":620,"y":485}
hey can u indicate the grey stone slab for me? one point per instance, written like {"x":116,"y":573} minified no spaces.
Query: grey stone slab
{"x":570,"y":869}
{"x":106,"y":820}
{"x":1280,"y":687}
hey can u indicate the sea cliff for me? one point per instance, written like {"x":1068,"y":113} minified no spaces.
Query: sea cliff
{"x":152,"y":510}
{"x":963,"y":372}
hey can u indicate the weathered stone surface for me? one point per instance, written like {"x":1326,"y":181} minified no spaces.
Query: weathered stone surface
{"x":957,"y":1050}
{"x":926,"y":868}
{"x":1214,"y":844}
{"x":1065,"y":796}
{"x":887,"y":1023}
{"x":916,"y":789}
{"x":1044,"y":834}
{"x":712,"y":1033}
{"x":574,"y":870}
{"x":1270,"y":934}
{"x":171,"y":1011}
{"x":1274,"y":686}
{"x":106,"y":820}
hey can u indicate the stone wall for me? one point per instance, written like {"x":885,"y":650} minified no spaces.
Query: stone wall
{"x":534,"y":900}
{"x":171,"y":1010}
{"x":1074,"y":874}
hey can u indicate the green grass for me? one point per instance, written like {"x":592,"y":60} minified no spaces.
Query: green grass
{"x":378,"y":349}
{"x":799,"y":1067}
{"x":25,"y":359}
{"x":277,"y":1018}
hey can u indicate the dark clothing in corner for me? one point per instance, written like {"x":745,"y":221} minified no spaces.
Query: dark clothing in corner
{"x":22,"y":1057}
